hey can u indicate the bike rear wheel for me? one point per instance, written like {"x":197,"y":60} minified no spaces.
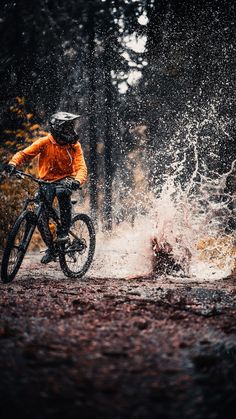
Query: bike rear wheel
{"x":76,"y":256}
{"x":17,"y":244}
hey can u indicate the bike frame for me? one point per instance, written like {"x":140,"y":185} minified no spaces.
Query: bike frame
{"x":41,"y":200}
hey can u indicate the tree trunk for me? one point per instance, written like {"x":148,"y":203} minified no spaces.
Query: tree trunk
{"x":108,"y":166}
{"x":92,"y":114}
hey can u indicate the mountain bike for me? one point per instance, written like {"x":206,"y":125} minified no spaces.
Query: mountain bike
{"x":75,"y":255}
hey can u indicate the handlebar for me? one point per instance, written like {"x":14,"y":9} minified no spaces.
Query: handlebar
{"x":22,"y":175}
{"x":19,"y":174}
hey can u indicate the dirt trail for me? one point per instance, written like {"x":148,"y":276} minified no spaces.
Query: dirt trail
{"x":112,"y":348}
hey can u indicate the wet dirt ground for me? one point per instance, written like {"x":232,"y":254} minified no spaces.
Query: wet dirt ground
{"x":151,"y":347}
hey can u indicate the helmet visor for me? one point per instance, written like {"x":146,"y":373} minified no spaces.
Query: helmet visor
{"x":67,"y":132}
{"x":68,"y":128}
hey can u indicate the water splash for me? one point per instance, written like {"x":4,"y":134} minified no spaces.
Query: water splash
{"x":184,"y":222}
{"x":193,"y":221}
{"x":188,"y":218}
{"x":124,"y":253}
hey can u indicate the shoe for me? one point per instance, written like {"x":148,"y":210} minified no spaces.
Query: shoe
{"x":49,"y":256}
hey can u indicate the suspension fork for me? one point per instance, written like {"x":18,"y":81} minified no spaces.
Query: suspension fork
{"x":31,"y":223}
{"x":38,"y":212}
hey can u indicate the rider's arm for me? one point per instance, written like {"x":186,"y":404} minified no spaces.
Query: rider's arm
{"x":29,"y":152}
{"x":80,"y":165}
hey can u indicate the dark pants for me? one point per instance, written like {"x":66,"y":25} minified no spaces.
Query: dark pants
{"x":64,"y":200}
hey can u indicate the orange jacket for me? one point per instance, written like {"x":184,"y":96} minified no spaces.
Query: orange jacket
{"x":55,"y":161}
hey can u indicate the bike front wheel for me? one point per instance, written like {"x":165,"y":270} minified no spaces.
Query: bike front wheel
{"x":17,"y":244}
{"x":76,"y":256}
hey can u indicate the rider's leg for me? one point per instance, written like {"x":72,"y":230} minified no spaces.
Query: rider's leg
{"x":64,"y":200}
{"x":43,"y":226}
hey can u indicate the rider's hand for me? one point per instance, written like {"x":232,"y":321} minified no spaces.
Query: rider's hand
{"x":71,"y":184}
{"x":76,"y":185}
{"x":10,"y":169}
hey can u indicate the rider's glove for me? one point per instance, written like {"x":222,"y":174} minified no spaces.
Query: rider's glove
{"x":10,"y":169}
{"x":71,"y":184}
{"x":76,"y":185}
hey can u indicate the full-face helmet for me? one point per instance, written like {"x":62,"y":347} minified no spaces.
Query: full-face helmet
{"x":62,"y":127}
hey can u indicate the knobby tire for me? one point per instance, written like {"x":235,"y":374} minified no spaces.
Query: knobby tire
{"x":85,"y":220}
{"x":27,"y":217}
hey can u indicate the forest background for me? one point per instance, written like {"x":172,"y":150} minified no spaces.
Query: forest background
{"x":154,"y":81}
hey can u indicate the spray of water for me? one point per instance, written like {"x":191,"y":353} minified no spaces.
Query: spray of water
{"x":193,"y":221}
{"x":187,"y":218}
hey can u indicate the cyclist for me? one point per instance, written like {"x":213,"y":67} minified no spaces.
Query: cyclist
{"x":61,"y":163}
